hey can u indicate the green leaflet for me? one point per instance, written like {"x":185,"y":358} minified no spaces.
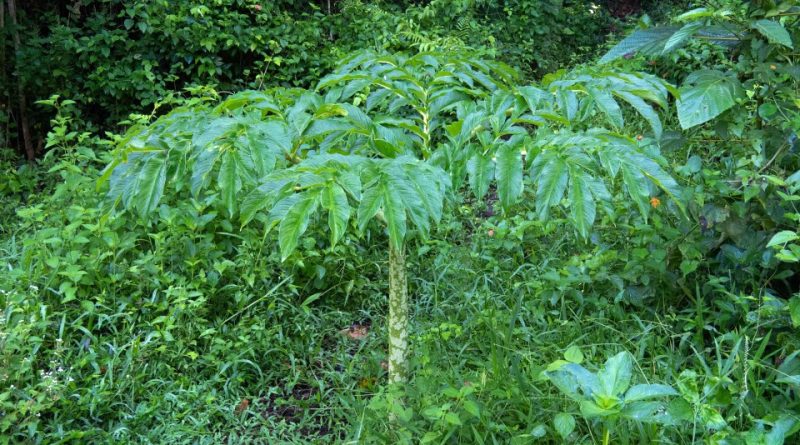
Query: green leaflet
{"x":635,"y":183}
{"x":679,"y":38}
{"x":480,"y":169}
{"x":509,"y":174}
{"x":774,"y":32}
{"x":295,"y":222}
{"x":606,"y":103}
{"x":658,"y":176}
{"x":202,"y":166}
{"x":582,"y":205}
{"x":552,"y":178}
{"x":229,"y":181}
{"x":646,"y":41}
{"x":371,"y":202}
{"x":261,"y":197}
{"x":705,"y":95}
{"x":395,"y":213}
{"x":151,"y":183}
{"x":334,"y":200}
{"x":643,"y":108}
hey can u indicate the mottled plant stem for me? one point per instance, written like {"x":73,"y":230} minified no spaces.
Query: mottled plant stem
{"x":398,"y":316}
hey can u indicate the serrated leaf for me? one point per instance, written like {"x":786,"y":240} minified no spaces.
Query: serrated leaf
{"x":774,"y":32}
{"x":508,"y":171}
{"x":705,"y":95}
{"x":295,"y":222}
{"x":564,"y":424}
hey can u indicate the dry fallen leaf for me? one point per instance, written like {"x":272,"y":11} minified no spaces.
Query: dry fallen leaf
{"x":356,"y":332}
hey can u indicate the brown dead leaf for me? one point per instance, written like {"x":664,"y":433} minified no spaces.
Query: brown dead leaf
{"x":243,"y":405}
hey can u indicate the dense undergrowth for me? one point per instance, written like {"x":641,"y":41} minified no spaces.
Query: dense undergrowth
{"x":175,"y":323}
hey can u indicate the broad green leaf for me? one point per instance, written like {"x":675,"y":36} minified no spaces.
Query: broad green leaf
{"x":452,"y":418}
{"x":573,"y":354}
{"x":774,"y":32}
{"x":508,"y":171}
{"x":642,"y":411}
{"x":651,"y":391}
{"x":334,"y":200}
{"x":782,"y":238}
{"x":480,"y":169}
{"x":153,"y":177}
{"x":705,"y":95}
{"x":202,"y":166}
{"x":564,"y":424}
{"x":615,"y":377}
{"x":581,"y":202}
{"x":295,"y":223}
{"x":229,"y":181}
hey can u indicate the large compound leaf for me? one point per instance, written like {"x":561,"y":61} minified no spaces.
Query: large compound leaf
{"x":705,"y":95}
